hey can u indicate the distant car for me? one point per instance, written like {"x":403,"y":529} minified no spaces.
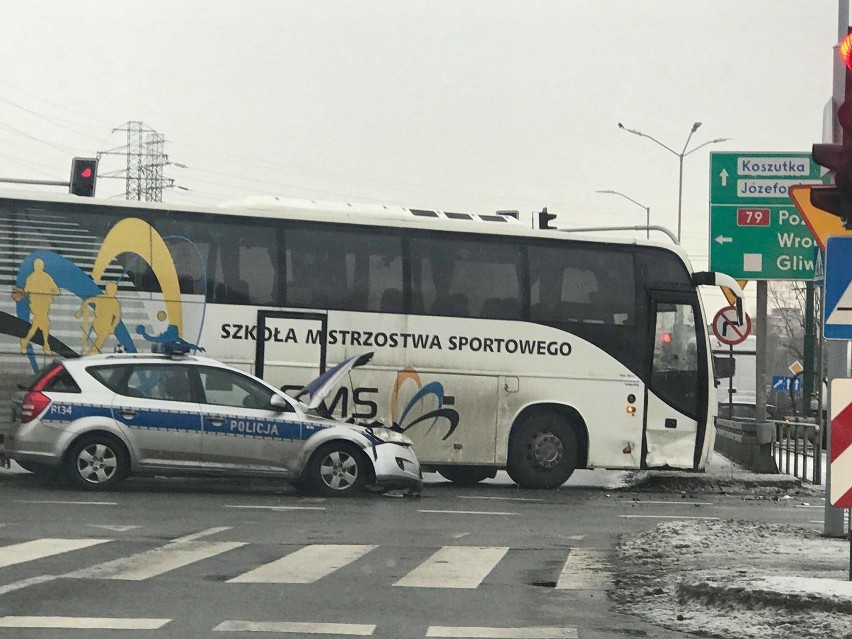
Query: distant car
{"x":101,"y":418}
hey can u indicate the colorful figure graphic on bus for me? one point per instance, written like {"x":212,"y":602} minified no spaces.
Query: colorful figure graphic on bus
{"x":169,"y":336}
{"x":43,"y":274}
{"x":107,"y":315}
{"x":435,"y":389}
{"x":40,"y":288}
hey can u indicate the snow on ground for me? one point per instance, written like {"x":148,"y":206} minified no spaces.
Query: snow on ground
{"x":737,"y":579}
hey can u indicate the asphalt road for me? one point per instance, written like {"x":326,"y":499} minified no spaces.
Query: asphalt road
{"x":200,"y":558}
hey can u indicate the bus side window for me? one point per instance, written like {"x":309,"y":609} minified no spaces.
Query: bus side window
{"x":227,"y":260}
{"x":350,"y":269}
{"x":595,"y":286}
{"x":455,"y":276}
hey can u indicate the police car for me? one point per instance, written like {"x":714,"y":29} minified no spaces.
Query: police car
{"x":103,"y":417}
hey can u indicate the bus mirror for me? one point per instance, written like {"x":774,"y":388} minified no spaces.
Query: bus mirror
{"x":724,"y":367}
{"x":739,"y":305}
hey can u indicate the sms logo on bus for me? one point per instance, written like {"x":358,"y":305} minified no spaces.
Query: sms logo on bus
{"x":439,"y":414}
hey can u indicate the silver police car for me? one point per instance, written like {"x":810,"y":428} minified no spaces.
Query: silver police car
{"x":101,"y":418}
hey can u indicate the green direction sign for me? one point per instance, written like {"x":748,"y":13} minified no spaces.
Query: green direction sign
{"x":756,"y":232}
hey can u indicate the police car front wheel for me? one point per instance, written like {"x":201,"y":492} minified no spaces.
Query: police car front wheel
{"x":336,"y":469}
{"x":96,"y":462}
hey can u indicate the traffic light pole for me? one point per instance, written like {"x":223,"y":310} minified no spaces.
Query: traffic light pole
{"x":39,"y":182}
{"x":760,"y":322}
{"x":596,"y":229}
{"x":836,"y":352}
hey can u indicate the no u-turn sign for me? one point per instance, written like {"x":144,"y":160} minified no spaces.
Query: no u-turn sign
{"x":727,"y":328}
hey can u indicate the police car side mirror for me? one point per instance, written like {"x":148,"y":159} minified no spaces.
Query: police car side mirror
{"x":276,"y":402}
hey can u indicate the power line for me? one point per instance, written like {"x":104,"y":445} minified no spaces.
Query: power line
{"x":63,"y":149}
{"x":26,"y":163}
{"x":267,"y":164}
{"x":62,"y":107}
{"x":362,"y":181}
{"x":52,"y":121}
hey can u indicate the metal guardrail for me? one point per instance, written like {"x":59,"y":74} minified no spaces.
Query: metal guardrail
{"x":741,"y":440}
{"x":797,"y":449}
{"x":776,"y":446}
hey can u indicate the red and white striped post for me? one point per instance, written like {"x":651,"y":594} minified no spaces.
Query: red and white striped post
{"x":841,"y":450}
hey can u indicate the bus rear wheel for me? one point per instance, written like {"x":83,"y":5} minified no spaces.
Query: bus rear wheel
{"x":543,"y":451}
{"x":466,"y":475}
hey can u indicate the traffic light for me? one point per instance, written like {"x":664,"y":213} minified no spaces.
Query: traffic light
{"x":84,"y":174}
{"x":836,"y":199}
{"x":544,"y":219}
{"x":845,"y":50}
{"x":837,"y":158}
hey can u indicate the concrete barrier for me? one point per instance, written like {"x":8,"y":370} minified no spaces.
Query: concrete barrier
{"x":748,"y":443}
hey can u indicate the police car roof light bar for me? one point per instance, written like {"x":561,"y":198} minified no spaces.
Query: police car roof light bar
{"x":172,"y":349}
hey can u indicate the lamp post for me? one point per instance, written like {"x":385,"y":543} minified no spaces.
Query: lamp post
{"x":680,"y":157}
{"x":647,"y":210}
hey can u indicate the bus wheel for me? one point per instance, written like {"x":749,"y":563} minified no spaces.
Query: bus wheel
{"x":467,"y":475}
{"x":542,"y":451}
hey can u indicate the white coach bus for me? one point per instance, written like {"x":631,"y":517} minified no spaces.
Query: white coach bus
{"x":496,"y":346}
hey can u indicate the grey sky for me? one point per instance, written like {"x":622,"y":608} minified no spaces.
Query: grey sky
{"x":455,"y":105}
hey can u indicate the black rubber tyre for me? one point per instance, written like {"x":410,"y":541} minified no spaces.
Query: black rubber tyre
{"x":336,"y":469}
{"x":96,"y":462}
{"x":466,"y":475}
{"x":543,"y":451}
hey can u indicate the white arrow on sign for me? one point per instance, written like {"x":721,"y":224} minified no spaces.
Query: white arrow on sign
{"x":721,"y":239}
{"x":724,"y":176}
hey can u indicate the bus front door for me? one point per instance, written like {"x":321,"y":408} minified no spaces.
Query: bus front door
{"x":676,"y":404}
{"x":290,"y":347}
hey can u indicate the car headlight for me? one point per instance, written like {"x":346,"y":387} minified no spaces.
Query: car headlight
{"x":390,"y":436}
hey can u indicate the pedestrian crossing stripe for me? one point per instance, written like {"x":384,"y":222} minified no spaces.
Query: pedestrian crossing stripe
{"x":584,"y":570}
{"x":454,"y":567}
{"x":284,"y":627}
{"x":40,"y":548}
{"x":83,"y":623}
{"x":480,"y":632}
{"x":449,"y":567}
{"x":304,"y":566}
{"x":156,"y":562}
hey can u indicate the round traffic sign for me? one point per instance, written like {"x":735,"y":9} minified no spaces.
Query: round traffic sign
{"x":727,"y":330}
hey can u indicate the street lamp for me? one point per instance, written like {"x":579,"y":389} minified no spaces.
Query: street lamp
{"x":680,"y":157}
{"x":647,"y":210}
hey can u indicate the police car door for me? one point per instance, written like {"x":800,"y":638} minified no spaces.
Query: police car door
{"x":154,"y":406}
{"x":241,"y":430}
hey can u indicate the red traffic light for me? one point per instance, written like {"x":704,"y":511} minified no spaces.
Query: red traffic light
{"x":845,"y":48}
{"x":84,"y":174}
{"x":666,"y":338}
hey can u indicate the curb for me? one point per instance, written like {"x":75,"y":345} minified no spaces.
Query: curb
{"x":678,"y":480}
{"x":758,"y":593}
